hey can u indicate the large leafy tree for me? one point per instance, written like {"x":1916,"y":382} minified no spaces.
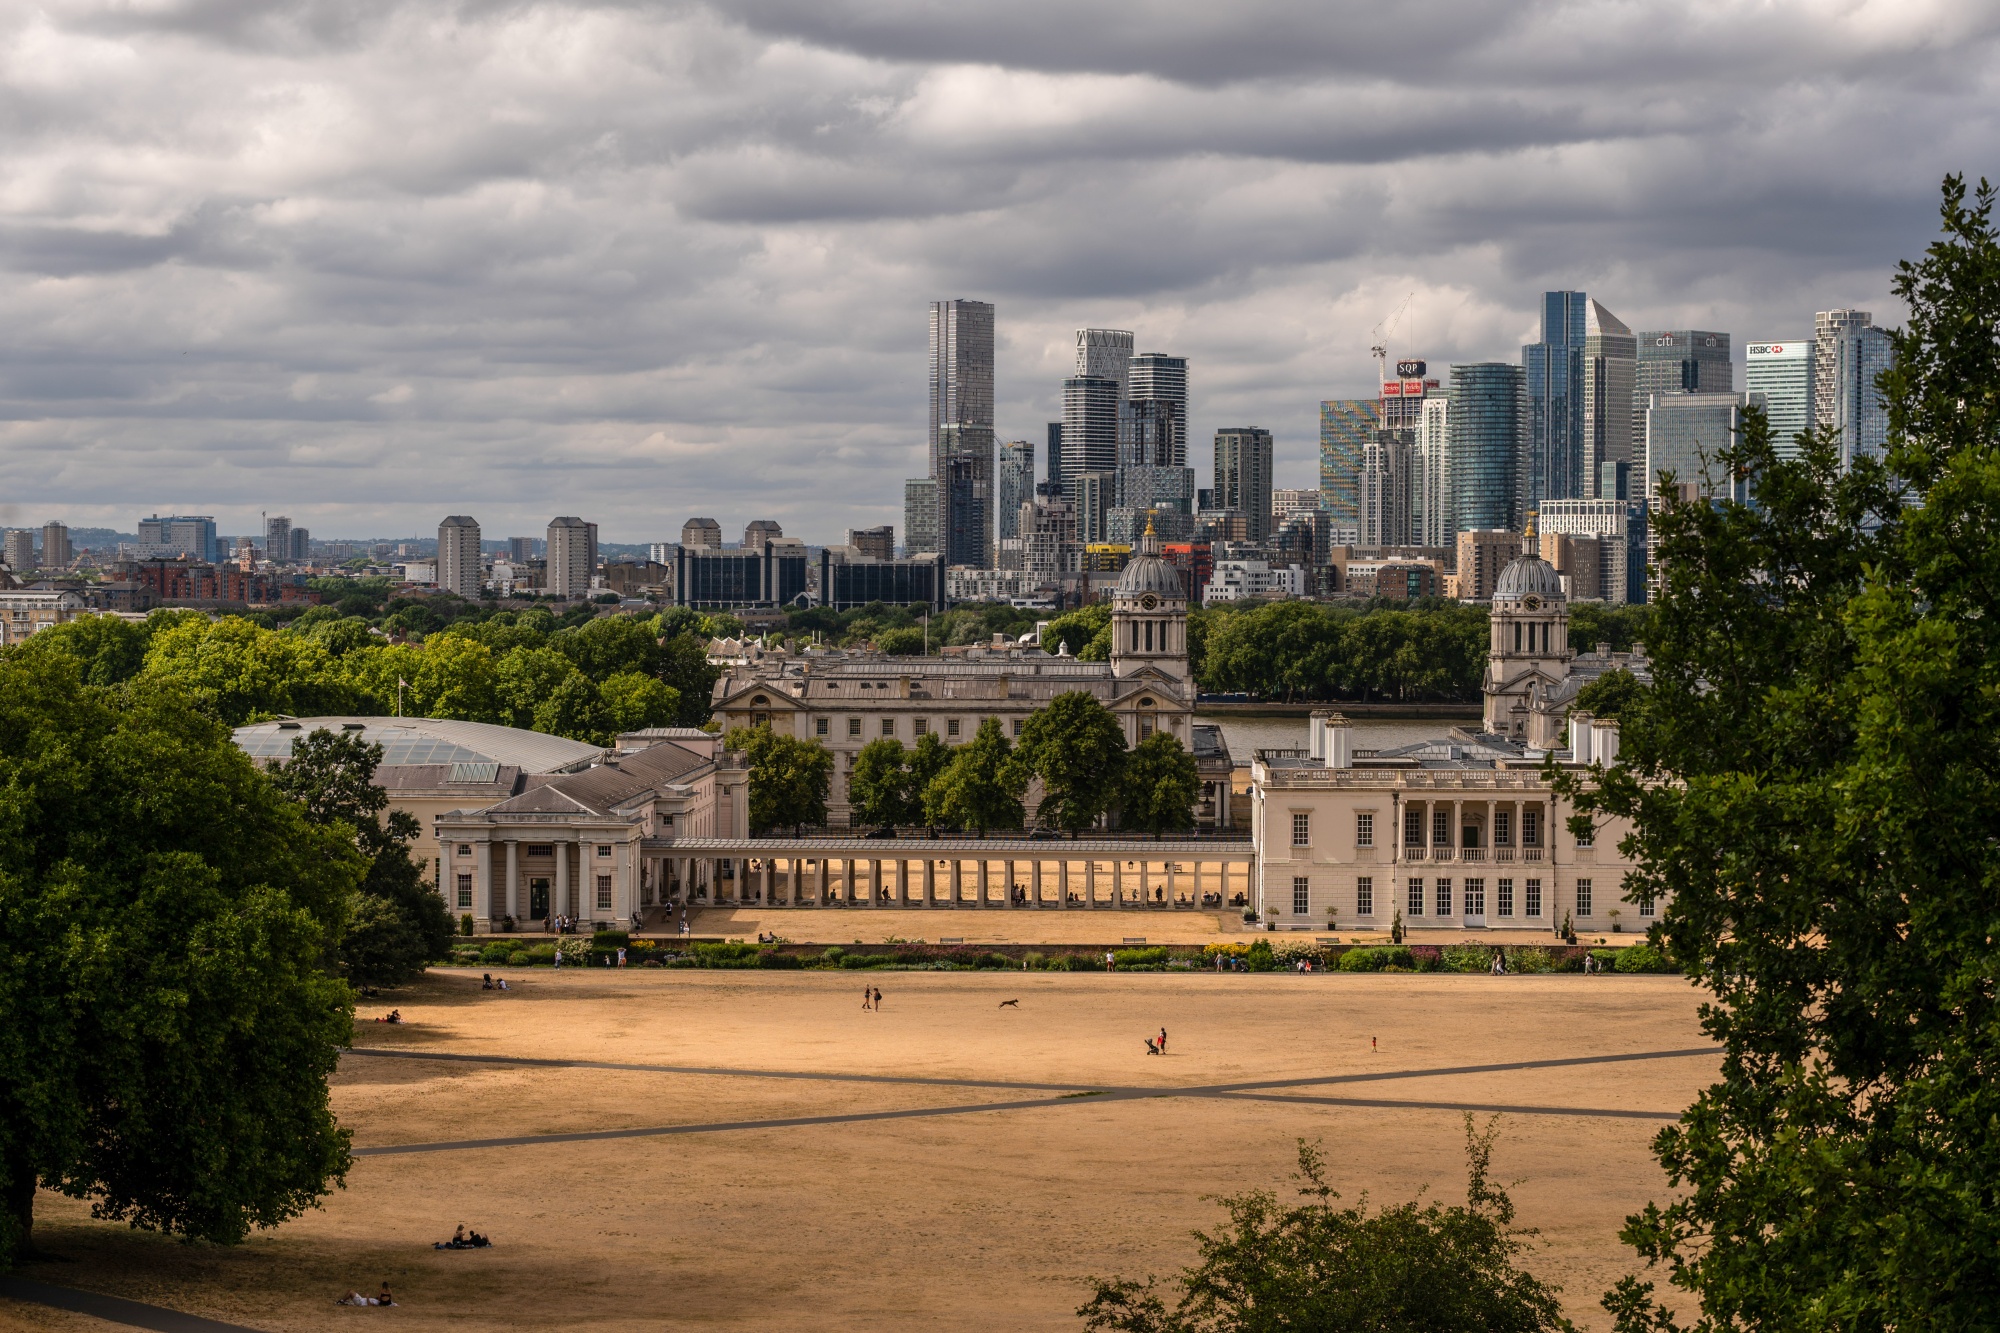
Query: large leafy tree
{"x":685,"y":668}
{"x":1409,"y":1268}
{"x":1160,"y":786}
{"x":1813,"y":780}
{"x":106,"y":649}
{"x":1077,"y":748}
{"x":982,"y":787}
{"x":237,"y":672}
{"x":878,"y":786}
{"x":633,"y":702}
{"x":166,"y":920}
{"x":611,"y":646}
{"x":401,"y":922}
{"x":789,"y":778}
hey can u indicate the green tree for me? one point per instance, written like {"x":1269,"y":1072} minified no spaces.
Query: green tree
{"x":1614,"y":695}
{"x":575,"y":708}
{"x":929,"y":758}
{"x":1159,"y":787}
{"x":165,"y":920}
{"x":1086,"y":632}
{"x":611,"y":646}
{"x":901,"y":642}
{"x":526,"y":678}
{"x":401,"y":923}
{"x":878,"y":786}
{"x":789,"y":778}
{"x":982,"y":787}
{"x":1077,"y":748}
{"x":106,"y":649}
{"x":340,"y":636}
{"x":237,"y":672}
{"x":685,"y":669}
{"x":1408,"y":1268}
{"x":1812,"y":785}
{"x":633,"y":702}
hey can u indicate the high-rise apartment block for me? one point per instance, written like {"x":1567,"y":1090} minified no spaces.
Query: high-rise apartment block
{"x":1093,"y":495}
{"x":1390,"y":474}
{"x":1436,"y":519}
{"x":301,"y":545}
{"x":1013,"y":486}
{"x":1488,"y":438}
{"x":1679,"y":361}
{"x":920,"y":516}
{"x":1849,"y":355}
{"x":520,"y":550}
{"x":1482,"y":554}
{"x":1053,"y":453}
{"x":1106,"y":354}
{"x":961,"y":385}
{"x":760,"y":530}
{"x":877,"y":543}
{"x":191,"y":535}
{"x":1245,"y":465}
{"x":1346,"y":427}
{"x":1610,"y":378}
{"x":1159,"y":396}
{"x":458,"y":555}
{"x":1782,"y":370}
{"x":18,"y":550}
{"x":56,"y":552}
{"x":1618,"y":528}
{"x":1557,"y":466}
{"x":278,"y":539}
{"x":572,"y":557}
{"x":1091,"y":411}
{"x":701,"y":532}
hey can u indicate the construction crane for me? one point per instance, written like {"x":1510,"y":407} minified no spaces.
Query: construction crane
{"x":1383,"y":332}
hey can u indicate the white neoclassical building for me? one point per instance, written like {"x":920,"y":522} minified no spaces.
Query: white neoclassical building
{"x":1462,"y":833}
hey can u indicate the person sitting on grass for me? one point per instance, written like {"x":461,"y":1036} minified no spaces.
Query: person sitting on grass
{"x":394,"y":1016}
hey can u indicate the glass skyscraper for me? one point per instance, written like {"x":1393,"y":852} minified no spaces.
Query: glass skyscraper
{"x":1488,"y":425}
{"x":961,"y":368}
{"x":1163,"y":380}
{"x":1610,"y":370}
{"x":1679,"y":361}
{"x":1558,"y":467}
{"x":1014,"y":486}
{"x":1782,"y":370}
{"x":1245,"y":462}
{"x":1347,"y":426}
{"x":1686,"y":435}
{"x":1849,"y":354}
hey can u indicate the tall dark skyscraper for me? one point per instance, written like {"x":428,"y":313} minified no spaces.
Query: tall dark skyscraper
{"x":1053,"y":454}
{"x":1558,"y":461}
{"x":1159,"y":379}
{"x":1014,"y":486}
{"x":1679,"y":361}
{"x":1245,"y":463}
{"x":961,"y":368}
{"x":965,"y":495}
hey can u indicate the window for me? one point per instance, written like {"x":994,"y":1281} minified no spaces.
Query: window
{"x":465,"y":849}
{"x":667,"y":823}
{"x":1475,"y":897}
{"x":1414,"y":904}
{"x":921,"y":726}
{"x":1145,"y":727}
{"x":1017,"y":726}
{"x":1441,"y":828}
{"x":1531,"y":829}
{"x":1443,"y":897}
{"x":1503,"y":897}
{"x":854,"y":726}
{"x":604,"y":849}
{"x":951,"y":726}
{"x":1503,"y":828}
{"x":1583,"y":898}
{"x":1301,"y":830}
{"x":1364,"y":830}
{"x":1301,"y":895}
{"x":1531,"y":898}
{"x":1364,"y":896}
{"x":465,"y":891}
{"x":1413,"y":828}
{"x":1586,"y":838}
{"x":1645,"y":904}
{"x":888,"y":726}
{"x":540,"y":849}
{"x":823,"y":726}
{"x":604,"y":893}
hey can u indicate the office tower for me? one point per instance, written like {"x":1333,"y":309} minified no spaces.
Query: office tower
{"x":191,"y":535}
{"x":1162,"y":381}
{"x":1053,"y":452}
{"x":1105,"y":354}
{"x":1435,"y":503}
{"x":1554,"y":371}
{"x":1245,"y":462}
{"x":56,"y":552}
{"x":520,"y":550}
{"x":301,"y":546}
{"x":19,"y":549}
{"x":1488,"y":428}
{"x":1678,"y":361}
{"x":572,"y":557}
{"x":1686,"y":433}
{"x":458,"y":555}
{"x":920,"y":516}
{"x":965,"y":495}
{"x":961,"y":368}
{"x":1385,"y":491}
{"x":760,"y":530}
{"x":277,"y":539}
{"x":1614,"y":522}
{"x":1346,"y":427}
{"x":1090,"y":424}
{"x":1013,"y":487}
{"x":1152,"y":434}
{"x":1783,"y":372}
{"x":1400,"y":400}
{"x":701,"y":532}
{"x":1610,"y":374}
{"x":1093,"y":495}
{"x":877,"y":543}
{"x":1849,"y":353}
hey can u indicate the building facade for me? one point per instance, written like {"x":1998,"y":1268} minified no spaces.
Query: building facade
{"x":1619,"y":526}
{"x":920,"y":516}
{"x":1679,"y":361}
{"x":1849,"y":355}
{"x":1782,"y":370}
{"x":1013,"y":486}
{"x":1488,"y":441}
{"x":1158,"y":388}
{"x":458,"y":568}
{"x":878,"y":543}
{"x":25,"y":613}
{"x":965,"y":495}
{"x":1091,"y":412}
{"x":56,"y":550}
{"x":572,"y":561}
{"x":1610,"y":379}
{"x":1557,"y":464}
{"x":1245,"y":470}
{"x":961,"y":379}
{"x":191,"y":535}
{"x":1346,"y":427}
{"x":1687,"y":434}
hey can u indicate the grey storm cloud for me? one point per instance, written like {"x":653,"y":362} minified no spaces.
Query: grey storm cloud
{"x":369,"y":263}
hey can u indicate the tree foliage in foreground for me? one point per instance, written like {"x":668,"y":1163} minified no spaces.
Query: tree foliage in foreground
{"x":167,"y":924}
{"x":1077,"y":748}
{"x":1813,"y":779}
{"x":789,"y":778}
{"x":1409,"y":1268}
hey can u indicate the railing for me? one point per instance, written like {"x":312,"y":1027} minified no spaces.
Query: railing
{"x":1016,"y":835}
{"x":1472,"y":853}
{"x":1441,"y":853}
{"x":1503,"y":853}
{"x":1531,"y":853}
{"x":1413,"y":853}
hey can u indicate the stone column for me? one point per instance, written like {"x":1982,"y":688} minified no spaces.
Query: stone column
{"x":930,"y":881}
{"x":1170,"y":885}
{"x":1062,"y":883}
{"x":1090,"y":883}
{"x":957,"y":882}
{"x":512,"y":892}
{"x":1010,"y":885}
{"x":1195,"y":892}
{"x":1035,"y":877}
{"x":482,"y":879}
{"x":823,"y":888}
{"x":902,"y":881}
{"x":560,"y":907}
{"x":983,"y":867}
{"x":1118,"y":881}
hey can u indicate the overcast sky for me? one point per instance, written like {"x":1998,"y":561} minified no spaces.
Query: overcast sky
{"x":369,"y":263}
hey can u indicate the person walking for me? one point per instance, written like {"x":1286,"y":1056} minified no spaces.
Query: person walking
{"x":1163,"y":1041}
{"x":867,"y":997}
{"x":878,"y":999}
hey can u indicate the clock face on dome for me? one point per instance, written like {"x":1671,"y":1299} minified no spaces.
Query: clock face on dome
{"x":1533,"y":603}
{"x":1149,"y":601}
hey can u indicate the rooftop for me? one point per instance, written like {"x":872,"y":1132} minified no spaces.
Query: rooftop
{"x":428,"y":741}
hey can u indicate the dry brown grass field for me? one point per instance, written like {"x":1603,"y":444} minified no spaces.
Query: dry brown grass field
{"x":974,"y":1218}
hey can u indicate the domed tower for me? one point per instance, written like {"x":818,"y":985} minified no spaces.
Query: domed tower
{"x":1529,"y":647}
{"x":1149,"y":615}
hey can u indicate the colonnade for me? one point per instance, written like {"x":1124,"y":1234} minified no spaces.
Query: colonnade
{"x":953,"y":880}
{"x":1473,"y":830}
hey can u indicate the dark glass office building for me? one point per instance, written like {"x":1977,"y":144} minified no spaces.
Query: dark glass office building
{"x":1678,"y":361}
{"x":708,"y":578}
{"x":1488,"y":438}
{"x":1558,"y":462}
{"x":847,"y":584}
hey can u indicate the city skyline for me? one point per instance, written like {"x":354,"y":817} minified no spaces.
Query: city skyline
{"x":679,"y":293}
